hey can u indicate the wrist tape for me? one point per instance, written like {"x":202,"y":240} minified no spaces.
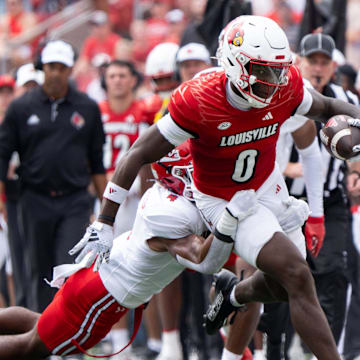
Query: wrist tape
{"x":226,"y":227}
{"x":115,"y":193}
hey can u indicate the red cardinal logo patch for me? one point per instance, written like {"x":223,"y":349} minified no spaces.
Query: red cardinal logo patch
{"x":77,"y":120}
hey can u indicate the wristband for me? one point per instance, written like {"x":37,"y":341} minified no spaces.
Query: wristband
{"x":315,"y":219}
{"x":115,"y":193}
{"x":224,"y":238}
{"x":3,"y":197}
{"x":106,"y":218}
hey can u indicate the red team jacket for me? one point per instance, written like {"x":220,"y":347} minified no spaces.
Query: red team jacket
{"x":232,"y":149}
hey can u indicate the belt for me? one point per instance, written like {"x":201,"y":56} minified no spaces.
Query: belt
{"x":52,"y":193}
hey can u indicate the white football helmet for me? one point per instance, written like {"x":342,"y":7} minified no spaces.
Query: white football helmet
{"x":160,"y":64}
{"x":255,"y":54}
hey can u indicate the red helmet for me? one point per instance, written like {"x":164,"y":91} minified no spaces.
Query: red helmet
{"x":174,"y":171}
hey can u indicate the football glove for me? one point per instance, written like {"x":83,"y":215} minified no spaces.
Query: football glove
{"x":98,"y":240}
{"x":356,"y":148}
{"x":295,"y":215}
{"x":314,"y":234}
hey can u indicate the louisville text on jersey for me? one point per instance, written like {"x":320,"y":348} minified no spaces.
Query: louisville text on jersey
{"x":249,"y":136}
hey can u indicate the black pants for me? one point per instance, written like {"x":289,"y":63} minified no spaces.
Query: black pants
{"x":330,"y":267}
{"x":274,"y":322}
{"x":17,"y":246}
{"x":352,"y":335}
{"x":195,"y":289}
{"x":51,"y":226}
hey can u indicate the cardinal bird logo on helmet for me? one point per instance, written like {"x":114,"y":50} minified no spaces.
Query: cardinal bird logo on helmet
{"x":236,"y":36}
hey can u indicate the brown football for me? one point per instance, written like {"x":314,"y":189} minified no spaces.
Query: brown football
{"x":339,"y":137}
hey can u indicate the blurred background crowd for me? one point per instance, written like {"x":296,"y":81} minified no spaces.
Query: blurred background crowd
{"x":131,"y":31}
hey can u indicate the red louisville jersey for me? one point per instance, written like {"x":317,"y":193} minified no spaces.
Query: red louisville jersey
{"x":121,"y":130}
{"x":232,"y":149}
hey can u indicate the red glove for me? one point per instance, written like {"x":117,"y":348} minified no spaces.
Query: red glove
{"x":314,"y":234}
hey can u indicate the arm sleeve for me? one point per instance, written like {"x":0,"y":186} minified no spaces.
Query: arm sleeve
{"x":214,"y":260}
{"x":96,"y":144}
{"x":305,"y":104}
{"x":171,"y":131}
{"x":8,"y":140}
{"x":311,"y":160}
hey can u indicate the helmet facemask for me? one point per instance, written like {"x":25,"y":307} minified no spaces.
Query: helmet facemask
{"x":184,"y":174}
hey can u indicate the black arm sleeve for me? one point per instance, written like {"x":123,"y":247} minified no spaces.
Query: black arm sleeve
{"x":8,"y":140}
{"x":96,"y":144}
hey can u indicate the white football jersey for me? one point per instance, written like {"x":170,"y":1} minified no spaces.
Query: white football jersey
{"x":135,"y":272}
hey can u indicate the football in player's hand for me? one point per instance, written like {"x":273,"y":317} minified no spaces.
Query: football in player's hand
{"x":339,"y":137}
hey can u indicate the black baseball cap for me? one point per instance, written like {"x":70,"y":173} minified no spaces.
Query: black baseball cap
{"x":317,"y":43}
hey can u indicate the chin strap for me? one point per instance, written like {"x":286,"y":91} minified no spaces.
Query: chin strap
{"x":137,"y":321}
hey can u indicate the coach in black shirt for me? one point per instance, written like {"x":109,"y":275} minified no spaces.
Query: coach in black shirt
{"x":58,"y":134}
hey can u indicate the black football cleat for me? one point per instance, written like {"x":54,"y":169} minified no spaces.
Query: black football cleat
{"x":221,"y":307}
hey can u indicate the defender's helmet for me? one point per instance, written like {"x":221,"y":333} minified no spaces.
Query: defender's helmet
{"x":255,"y":54}
{"x":160,"y":66}
{"x":174,"y":171}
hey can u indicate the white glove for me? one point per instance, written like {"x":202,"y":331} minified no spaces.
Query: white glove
{"x":354,"y":122}
{"x":98,"y":240}
{"x":242,"y":204}
{"x":295,"y":215}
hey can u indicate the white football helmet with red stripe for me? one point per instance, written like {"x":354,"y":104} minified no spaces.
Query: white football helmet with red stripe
{"x":255,"y":54}
{"x":174,"y":171}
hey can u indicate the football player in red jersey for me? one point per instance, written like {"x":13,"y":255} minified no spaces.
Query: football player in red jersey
{"x":122,"y":114}
{"x":232,"y":118}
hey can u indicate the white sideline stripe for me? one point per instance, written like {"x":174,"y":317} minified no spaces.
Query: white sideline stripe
{"x":88,"y":331}
{"x":87,"y":316}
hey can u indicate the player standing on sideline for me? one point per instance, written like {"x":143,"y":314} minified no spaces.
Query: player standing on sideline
{"x":232,"y":119}
{"x":160,"y":69}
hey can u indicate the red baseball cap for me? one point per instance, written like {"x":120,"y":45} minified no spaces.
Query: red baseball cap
{"x":7,"y":80}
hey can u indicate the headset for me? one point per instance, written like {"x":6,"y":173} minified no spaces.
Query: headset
{"x":123,"y":63}
{"x":38,"y":65}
